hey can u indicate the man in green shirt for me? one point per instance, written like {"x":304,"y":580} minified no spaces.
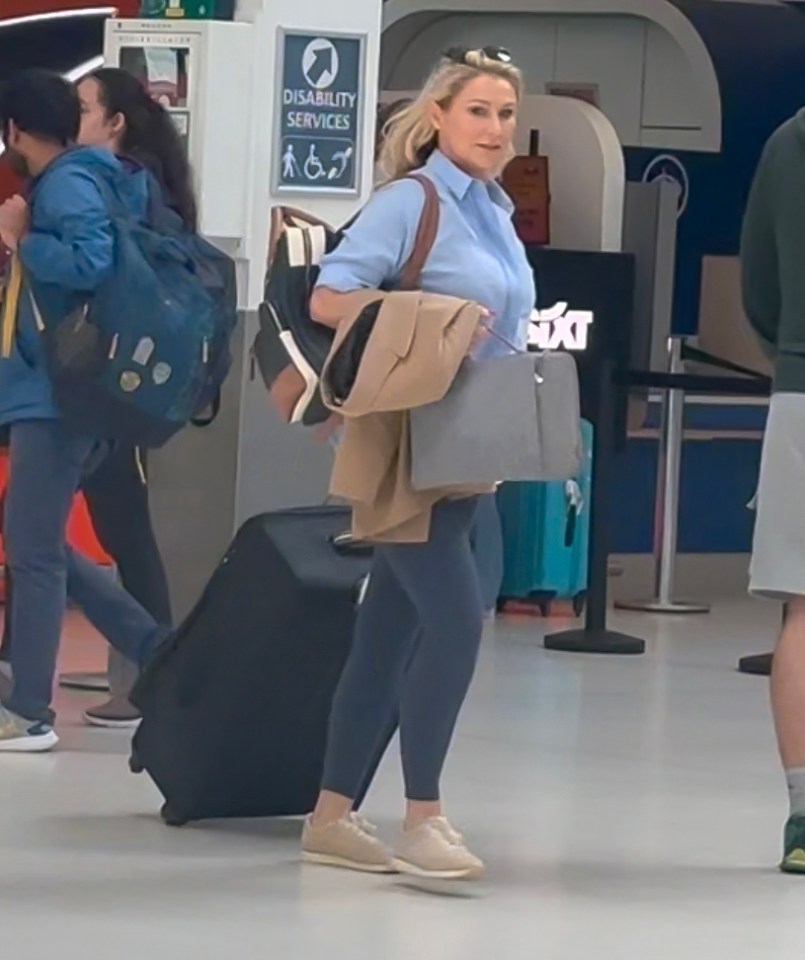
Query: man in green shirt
{"x":773,"y":265}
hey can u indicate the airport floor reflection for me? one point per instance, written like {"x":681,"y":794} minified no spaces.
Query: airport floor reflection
{"x":625,"y":808}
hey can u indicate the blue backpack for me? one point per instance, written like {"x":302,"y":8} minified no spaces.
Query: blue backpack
{"x":149,"y":349}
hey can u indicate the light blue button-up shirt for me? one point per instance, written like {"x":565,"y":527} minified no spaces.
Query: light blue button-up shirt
{"x":476,"y":256}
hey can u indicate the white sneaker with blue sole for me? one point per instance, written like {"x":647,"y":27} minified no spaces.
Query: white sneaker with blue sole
{"x":18,"y":735}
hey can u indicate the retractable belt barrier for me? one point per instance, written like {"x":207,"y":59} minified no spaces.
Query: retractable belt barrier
{"x":594,"y":636}
{"x":675,"y":383}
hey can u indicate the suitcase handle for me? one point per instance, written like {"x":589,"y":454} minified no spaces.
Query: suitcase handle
{"x":360,"y":590}
{"x":570,"y":527}
{"x":347,"y":545}
{"x":575,"y":504}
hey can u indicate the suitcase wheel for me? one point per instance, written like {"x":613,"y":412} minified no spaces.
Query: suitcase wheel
{"x":134,"y":763}
{"x":171,"y":818}
{"x":579,"y":603}
{"x":542,"y":601}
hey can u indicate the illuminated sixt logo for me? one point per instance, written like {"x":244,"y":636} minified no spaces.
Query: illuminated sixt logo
{"x":557,"y":328}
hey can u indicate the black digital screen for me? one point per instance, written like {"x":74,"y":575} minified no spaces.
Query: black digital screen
{"x":602,"y":283}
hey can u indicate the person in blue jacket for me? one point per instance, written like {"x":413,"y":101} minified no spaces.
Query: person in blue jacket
{"x":118,"y":114}
{"x":62,"y":249}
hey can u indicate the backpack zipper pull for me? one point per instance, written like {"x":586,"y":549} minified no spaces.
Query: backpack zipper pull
{"x":113,"y":347}
{"x":205,"y":351}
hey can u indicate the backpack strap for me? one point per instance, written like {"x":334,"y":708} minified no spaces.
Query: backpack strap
{"x":425,"y":234}
{"x":282,"y":217}
{"x":428,"y":228}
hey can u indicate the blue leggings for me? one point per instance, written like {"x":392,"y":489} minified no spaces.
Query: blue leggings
{"x":414,"y":654}
{"x":486,"y":541}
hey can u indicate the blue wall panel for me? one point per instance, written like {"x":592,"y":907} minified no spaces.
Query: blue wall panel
{"x":718,"y":480}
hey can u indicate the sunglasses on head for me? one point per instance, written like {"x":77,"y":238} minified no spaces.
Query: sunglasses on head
{"x":460,"y":54}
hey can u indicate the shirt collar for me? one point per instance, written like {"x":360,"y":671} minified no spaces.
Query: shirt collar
{"x":499,"y":196}
{"x":459,"y":183}
{"x":444,"y":170}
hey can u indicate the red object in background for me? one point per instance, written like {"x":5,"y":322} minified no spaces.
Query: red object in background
{"x":13,"y":9}
{"x":80,"y":533}
{"x":526,"y":181}
{"x":25,"y":8}
{"x":9,"y":182}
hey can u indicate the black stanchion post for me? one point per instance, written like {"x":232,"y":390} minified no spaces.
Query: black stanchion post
{"x":594,"y":636}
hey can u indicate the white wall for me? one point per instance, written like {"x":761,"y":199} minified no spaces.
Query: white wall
{"x":655,"y":80}
{"x":587,"y":175}
{"x":318,"y":16}
{"x":607,"y":51}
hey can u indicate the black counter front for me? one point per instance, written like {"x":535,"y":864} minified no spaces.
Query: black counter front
{"x":597,"y":326}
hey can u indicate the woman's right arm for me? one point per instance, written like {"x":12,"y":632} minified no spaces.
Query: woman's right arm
{"x":328,"y":307}
{"x":372,"y":252}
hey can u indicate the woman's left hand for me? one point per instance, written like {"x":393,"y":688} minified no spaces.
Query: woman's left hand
{"x":481,"y":331}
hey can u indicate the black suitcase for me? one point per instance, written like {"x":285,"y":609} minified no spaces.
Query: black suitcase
{"x":235,"y":706}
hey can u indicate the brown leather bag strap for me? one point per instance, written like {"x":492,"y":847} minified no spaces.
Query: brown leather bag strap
{"x":425,"y":235}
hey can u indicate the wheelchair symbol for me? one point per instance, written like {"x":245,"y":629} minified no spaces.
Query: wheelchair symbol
{"x":313,"y":168}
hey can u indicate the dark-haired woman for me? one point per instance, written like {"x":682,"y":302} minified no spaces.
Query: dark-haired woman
{"x":118,"y":113}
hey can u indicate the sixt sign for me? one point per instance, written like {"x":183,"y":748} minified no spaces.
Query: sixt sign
{"x":557,"y":328}
{"x":318,"y":147}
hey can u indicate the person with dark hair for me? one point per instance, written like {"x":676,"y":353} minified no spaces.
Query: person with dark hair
{"x":116,"y":494}
{"x":62,"y":244}
{"x":118,"y":114}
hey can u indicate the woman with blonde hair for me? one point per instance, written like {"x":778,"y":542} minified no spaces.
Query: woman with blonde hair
{"x":420,"y":625}
{"x":486,"y":536}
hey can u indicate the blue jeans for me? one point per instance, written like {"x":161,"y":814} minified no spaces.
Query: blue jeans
{"x":47,"y":465}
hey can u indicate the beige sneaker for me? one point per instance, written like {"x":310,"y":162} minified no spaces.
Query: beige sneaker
{"x":349,"y":843}
{"x":434,"y":849}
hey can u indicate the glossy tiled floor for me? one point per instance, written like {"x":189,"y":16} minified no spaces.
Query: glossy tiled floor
{"x":627,"y":809}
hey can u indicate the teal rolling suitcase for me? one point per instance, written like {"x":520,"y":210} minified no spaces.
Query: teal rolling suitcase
{"x":546,"y":531}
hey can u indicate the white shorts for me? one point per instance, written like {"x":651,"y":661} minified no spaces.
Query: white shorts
{"x":778,"y":553}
